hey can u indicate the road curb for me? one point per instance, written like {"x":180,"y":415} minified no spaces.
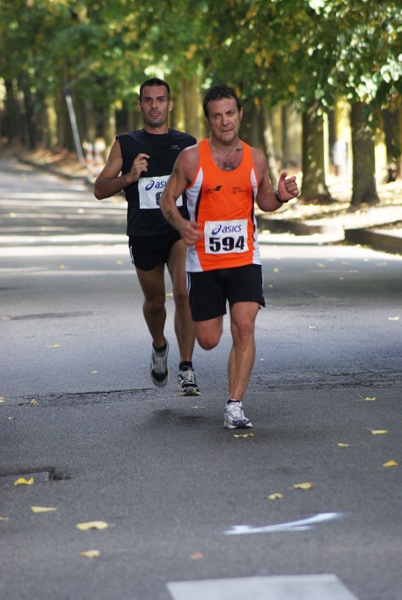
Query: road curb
{"x":386,"y":241}
{"x":376,"y":239}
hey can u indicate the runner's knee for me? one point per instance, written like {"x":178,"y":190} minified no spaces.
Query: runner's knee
{"x":155,"y":304}
{"x":207,"y":342}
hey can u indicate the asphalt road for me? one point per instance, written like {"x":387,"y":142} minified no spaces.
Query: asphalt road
{"x":185,"y":501}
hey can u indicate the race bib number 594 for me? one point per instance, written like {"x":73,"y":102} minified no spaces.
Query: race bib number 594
{"x":222,"y":237}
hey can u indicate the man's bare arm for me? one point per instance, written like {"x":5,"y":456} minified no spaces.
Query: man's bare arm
{"x":266,"y":197}
{"x":182,"y":175}
{"x":108,"y":183}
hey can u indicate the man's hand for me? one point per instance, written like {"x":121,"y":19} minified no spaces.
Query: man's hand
{"x":139,"y":165}
{"x":109,"y":182}
{"x":190,"y":232}
{"x":287,"y":188}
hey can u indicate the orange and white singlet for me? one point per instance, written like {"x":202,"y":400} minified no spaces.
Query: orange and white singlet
{"x":222,"y":202}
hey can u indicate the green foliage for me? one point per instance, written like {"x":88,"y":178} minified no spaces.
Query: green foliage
{"x":272,"y":51}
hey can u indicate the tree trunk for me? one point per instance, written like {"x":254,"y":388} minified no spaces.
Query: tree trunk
{"x":364,"y":185}
{"x":178,"y":118}
{"x":268,"y":140}
{"x":90,"y":125}
{"x":285,"y":138}
{"x":250,"y":126}
{"x":134,"y":120}
{"x":314,"y":187}
{"x":13,"y":119}
{"x":109,"y":128}
{"x":64,"y":132}
{"x":51,"y":116}
{"x":192,"y":107}
{"x":30,"y":116}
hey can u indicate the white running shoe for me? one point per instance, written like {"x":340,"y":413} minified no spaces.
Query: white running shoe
{"x":187,"y":382}
{"x":159,"y":370}
{"x":234,"y":418}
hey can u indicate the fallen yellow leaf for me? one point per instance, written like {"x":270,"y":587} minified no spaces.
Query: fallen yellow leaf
{"x":393,"y":318}
{"x":94,"y":372}
{"x":390,"y":463}
{"x":92,"y":525}
{"x":243,"y":435}
{"x":90,"y":554}
{"x":23,"y":481}
{"x":320,"y":265}
{"x":196,"y":556}
{"x":377,"y":431}
{"x":42,"y":509}
{"x":343,"y":445}
{"x":3,"y":518}
{"x":275,"y":496}
{"x":276,"y":270}
{"x":367,"y":399}
{"x":2,"y":399}
{"x":303,"y":486}
{"x":55,"y":346}
{"x":33,"y":402}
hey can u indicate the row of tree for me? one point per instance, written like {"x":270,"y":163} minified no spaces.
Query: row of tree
{"x":276,"y":53}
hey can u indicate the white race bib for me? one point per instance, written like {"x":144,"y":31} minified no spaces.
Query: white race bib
{"x":150,"y":191}
{"x":223,"y":237}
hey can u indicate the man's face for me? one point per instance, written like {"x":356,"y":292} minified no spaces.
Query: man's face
{"x":224,"y":119}
{"x":155,"y":106}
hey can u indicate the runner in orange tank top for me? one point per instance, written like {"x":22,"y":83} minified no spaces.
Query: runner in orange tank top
{"x":222,"y":203}
{"x":222,"y":177}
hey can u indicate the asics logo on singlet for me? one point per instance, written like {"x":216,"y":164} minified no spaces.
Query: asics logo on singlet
{"x":215,"y":189}
{"x":226,"y":229}
{"x":158,"y":185}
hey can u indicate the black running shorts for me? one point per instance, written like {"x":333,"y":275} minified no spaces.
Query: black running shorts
{"x":210,"y":290}
{"x":147,"y":252}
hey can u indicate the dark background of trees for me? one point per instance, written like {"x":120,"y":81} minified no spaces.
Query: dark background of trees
{"x":280,"y":55}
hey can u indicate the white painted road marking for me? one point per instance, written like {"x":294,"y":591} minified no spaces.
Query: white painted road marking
{"x":295,"y":587}
{"x":302,"y":525}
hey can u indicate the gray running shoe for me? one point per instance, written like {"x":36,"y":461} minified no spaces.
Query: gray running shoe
{"x":187,"y":382}
{"x":234,"y":418}
{"x":159,"y":370}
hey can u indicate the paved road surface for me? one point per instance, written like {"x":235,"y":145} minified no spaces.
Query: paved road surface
{"x":186,"y":502}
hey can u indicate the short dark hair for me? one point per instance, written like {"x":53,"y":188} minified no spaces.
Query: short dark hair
{"x":154,"y":81}
{"x":218,"y":92}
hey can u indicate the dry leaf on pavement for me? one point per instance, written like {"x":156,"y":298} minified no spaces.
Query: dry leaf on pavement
{"x":23,"y":481}
{"x":390,"y":463}
{"x":90,"y":554}
{"x":92,"y":525}
{"x":304,"y":486}
{"x":42,"y":509}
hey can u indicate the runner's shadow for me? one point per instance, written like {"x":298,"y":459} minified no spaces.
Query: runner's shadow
{"x":169,"y":416}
